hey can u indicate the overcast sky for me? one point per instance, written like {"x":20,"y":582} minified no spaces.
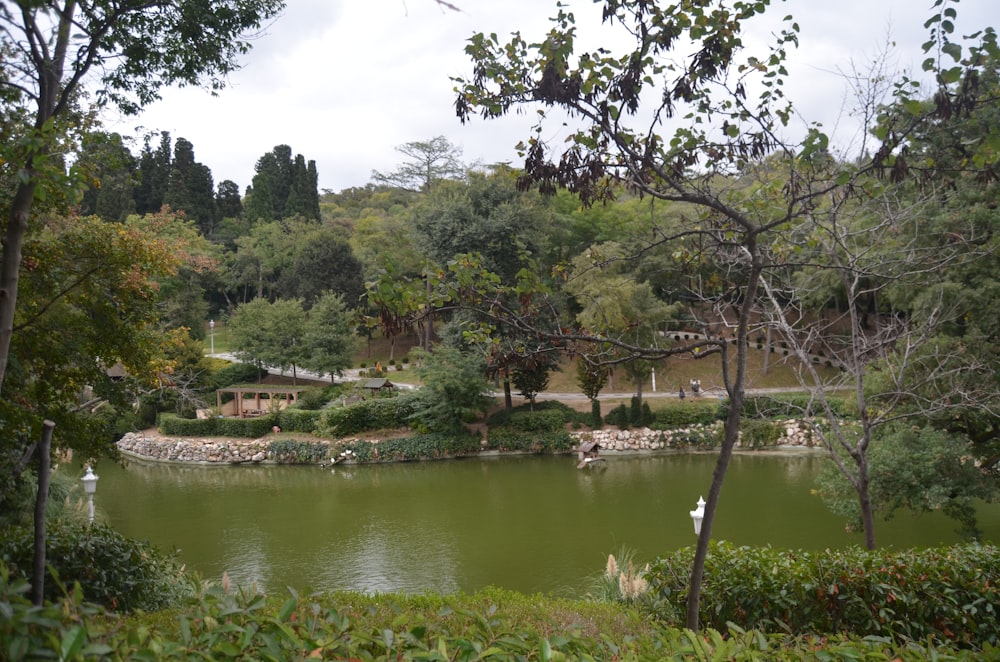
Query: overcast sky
{"x":343,"y":82}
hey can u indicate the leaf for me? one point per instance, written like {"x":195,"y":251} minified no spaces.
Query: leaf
{"x":72,"y":642}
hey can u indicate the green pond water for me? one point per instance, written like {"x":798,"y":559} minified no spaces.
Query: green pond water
{"x":531,"y":524}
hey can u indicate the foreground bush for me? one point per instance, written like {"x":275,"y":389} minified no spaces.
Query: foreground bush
{"x":492,"y":625}
{"x":116,"y":572}
{"x":946,"y":594}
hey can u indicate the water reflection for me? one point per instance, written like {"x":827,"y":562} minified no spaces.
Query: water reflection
{"x":530,"y":524}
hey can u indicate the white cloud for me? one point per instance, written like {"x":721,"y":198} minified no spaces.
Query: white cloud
{"x":345,"y":81}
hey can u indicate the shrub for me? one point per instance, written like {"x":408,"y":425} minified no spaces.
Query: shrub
{"x":949,"y":593}
{"x":174,"y":425}
{"x":674,"y":413}
{"x":114,"y":571}
{"x":759,"y":434}
{"x":313,"y":399}
{"x":250,"y":428}
{"x":299,"y":420}
{"x":418,"y":447}
{"x":293,"y":451}
{"x":619,"y":417}
{"x":372,"y":414}
{"x":510,"y":439}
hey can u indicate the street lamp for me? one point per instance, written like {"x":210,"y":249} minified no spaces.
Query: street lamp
{"x":211,"y":335}
{"x":90,"y":486}
{"x":697,"y":515}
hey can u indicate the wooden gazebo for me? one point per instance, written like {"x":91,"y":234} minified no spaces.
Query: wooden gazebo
{"x":258,"y":400}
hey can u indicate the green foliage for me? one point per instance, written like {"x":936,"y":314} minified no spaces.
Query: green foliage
{"x":595,"y":414}
{"x":947,"y":594}
{"x":549,"y":415}
{"x":512,"y":439}
{"x":433,"y":446}
{"x":372,"y":414}
{"x":293,"y":451}
{"x":236,"y":373}
{"x":114,"y":571}
{"x":673,"y":414}
{"x":242,"y":625}
{"x":918,"y":469}
{"x":251,"y":428}
{"x":759,"y":434}
{"x":620,"y":417}
{"x":455,"y":391}
{"x":299,"y":420}
{"x":174,"y":426}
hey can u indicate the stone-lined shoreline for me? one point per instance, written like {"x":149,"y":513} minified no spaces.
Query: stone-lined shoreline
{"x":150,"y":445}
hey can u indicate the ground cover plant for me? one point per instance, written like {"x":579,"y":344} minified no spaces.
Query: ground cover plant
{"x":220,"y":623}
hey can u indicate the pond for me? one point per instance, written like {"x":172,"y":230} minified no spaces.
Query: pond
{"x":531,"y":524}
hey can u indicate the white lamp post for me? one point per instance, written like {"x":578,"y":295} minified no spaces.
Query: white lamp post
{"x":90,"y":486}
{"x":211,"y":335}
{"x":697,"y":515}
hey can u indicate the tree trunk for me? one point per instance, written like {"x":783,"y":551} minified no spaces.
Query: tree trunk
{"x":17,"y":228}
{"x":767,"y":349}
{"x":41,"y":502}
{"x":508,"y":401}
{"x":732,"y":430}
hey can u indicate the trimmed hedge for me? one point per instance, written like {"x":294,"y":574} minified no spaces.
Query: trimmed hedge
{"x":174,"y":425}
{"x":675,"y":414}
{"x":544,"y":410}
{"x":418,"y":447}
{"x":299,"y":420}
{"x":944,"y":594}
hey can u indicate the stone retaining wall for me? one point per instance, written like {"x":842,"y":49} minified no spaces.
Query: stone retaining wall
{"x":795,"y":433}
{"x":200,"y":451}
{"x":239,"y":451}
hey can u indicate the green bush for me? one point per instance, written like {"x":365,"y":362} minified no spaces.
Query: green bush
{"x":679,"y":413}
{"x":759,"y":434}
{"x":299,"y":420}
{"x":619,"y":417}
{"x":313,"y":399}
{"x":293,"y":451}
{"x":114,"y":571}
{"x":946,"y":594}
{"x":372,"y":414}
{"x":544,"y":409}
{"x":175,"y":426}
{"x":510,"y":439}
{"x":250,"y":428}
{"x":418,"y":447}
{"x":243,"y":625}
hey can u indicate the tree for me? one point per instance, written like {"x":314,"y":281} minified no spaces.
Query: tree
{"x":282,"y":187}
{"x":110,"y":171}
{"x":453,"y":391}
{"x":59,"y":46}
{"x":591,"y":377}
{"x":428,"y":162}
{"x":154,"y":174}
{"x":190,"y":188}
{"x":94,"y":305}
{"x":672,"y":118}
{"x":487,"y":215}
{"x":322,"y":261}
{"x":531,"y":378}
{"x":612,"y":303}
{"x":329,"y":339}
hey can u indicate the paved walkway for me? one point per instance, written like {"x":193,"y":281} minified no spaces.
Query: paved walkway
{"x":709,"y":393}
